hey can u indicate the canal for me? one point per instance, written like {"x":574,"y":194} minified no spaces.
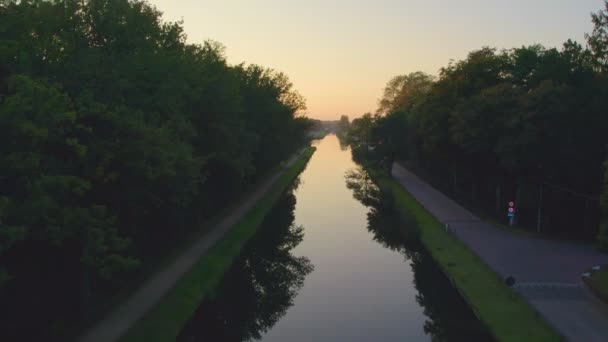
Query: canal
{"x":334,"y":262}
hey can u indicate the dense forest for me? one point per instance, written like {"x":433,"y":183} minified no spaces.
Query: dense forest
{"x":118,"y":138}
{"x":528,"y":125}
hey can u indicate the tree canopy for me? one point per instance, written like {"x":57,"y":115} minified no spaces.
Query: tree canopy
{"x":118,"y":138}
{"x":526,"y":124}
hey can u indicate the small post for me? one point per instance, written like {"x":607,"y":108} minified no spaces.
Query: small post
{"x":511,"y":213}
{"x":510,"y":281}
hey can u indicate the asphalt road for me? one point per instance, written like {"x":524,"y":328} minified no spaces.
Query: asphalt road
{"x":547,"y":273}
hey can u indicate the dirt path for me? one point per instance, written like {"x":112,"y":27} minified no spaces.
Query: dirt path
{"x":113,"y":326}
{"x":547,"y":272}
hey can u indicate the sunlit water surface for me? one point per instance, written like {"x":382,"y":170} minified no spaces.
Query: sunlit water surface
{"x":326,"y":267}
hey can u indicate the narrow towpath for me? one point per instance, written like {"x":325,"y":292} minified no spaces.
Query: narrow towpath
{"x":547,"y":272}
{"x":112,"y":327}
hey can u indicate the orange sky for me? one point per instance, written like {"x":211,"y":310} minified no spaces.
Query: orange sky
{"x":340,"y":54}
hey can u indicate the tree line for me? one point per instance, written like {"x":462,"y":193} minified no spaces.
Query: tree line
{"x":527,"y":124}
{"x":118,"y":138}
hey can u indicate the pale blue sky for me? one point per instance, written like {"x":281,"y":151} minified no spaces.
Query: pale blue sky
{"x":340,"y":54}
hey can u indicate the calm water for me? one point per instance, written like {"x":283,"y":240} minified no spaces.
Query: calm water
{"x":333,"y":262}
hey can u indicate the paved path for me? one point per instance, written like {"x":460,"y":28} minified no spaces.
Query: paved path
{"x":547,"y":272}
{"x":120,"y":320}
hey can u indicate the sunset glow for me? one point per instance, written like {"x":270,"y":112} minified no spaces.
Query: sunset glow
{"x":340,"y":55}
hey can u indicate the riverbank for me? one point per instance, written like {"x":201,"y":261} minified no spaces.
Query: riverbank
{"x":369,"y":278}
{"x":598,"y":282}
{"x":546,"y":273}
{"x":159,"y":310}
{"x":507,"y":316}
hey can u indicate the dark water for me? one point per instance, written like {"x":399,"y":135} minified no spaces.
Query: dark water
{"x":334,"y":262}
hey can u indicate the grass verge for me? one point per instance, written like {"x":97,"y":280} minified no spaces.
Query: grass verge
{"x":598,"y":282}
{"x":166,"y":319}
{"x":506,"y":315}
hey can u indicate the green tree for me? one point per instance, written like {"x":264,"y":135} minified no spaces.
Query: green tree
{"x":504,"y":124}
{"x":343,"y":123}
{"x":44,"y":195}
{"x":361,"y":128}
{"x":117,"y":139}
{"x":402,"y":92}
{"x":598,"y":39}
{"x":603,"y":231}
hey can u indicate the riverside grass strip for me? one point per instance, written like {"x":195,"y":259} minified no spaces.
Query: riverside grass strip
{"x":506,"y":315}
{"x":167,"y":318}
{"x":598,"y":282}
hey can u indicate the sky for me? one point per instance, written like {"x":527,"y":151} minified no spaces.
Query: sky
{"x":340,"y":54}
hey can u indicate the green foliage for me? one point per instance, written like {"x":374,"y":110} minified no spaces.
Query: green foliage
{"x":360,"y":129}
{"x":404,"y":91}
{"x":598,"y":39}
{"x":497,"y":123}
{"x":40,"y":160}
{"x":343,"y":122}
{"x":202,"y":280}
{"x":118,"y":137}
{"x":599,"y":283}
{"x":603,"y":233}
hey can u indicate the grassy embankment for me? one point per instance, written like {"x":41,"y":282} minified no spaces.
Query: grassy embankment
{"x":506,"y":315}
{"x":598,"y":282}
{"x":165,"y":320}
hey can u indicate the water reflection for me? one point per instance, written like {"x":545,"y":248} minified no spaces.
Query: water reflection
{"x":260,"y":287}
{"x":389,"y":228}
{"x":343,"y":144}
{"x":361,"y":290}
{"x":449,"y":318}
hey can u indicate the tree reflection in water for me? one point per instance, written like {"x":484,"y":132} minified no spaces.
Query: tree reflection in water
{"x":449,"y":316}
{"x":261,"y":285}
{"x":389,"y":228}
